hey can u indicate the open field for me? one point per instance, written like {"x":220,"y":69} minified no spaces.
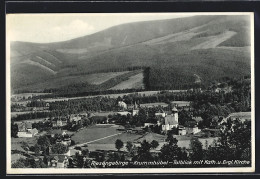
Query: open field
{"x":125,"y":137}
{"x":181,"y":103}
{"x":152,"y":136}
{"x":186,"y":143}
{"x":95,"y":132}
{"x":93,"y":79}
{"x":31,"y":120}
{"x":134,"y":82}
{"x":148,"y":105}
{"x":146,"y":93}
{"x":14,"y":114}
{"x":214,"y":41}
{"x":181,"y":143}
{"x":103,"y":113}
{"x":176,"y":37}
{"x":26,"y":95}
{"x":99,"y":78}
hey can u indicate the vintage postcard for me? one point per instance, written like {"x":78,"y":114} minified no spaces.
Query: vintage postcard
{"x":130,"y":93}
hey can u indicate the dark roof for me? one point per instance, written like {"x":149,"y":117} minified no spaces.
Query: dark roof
{"x":21,"y":126}
{"x":170,"y":120}
{"x":191,"y":124}
{"x":99,"y":117}
{"x":57,"y":119}
{"x":24,"y":126}
{"x":34,"y":131}
{"x":28,"y":125}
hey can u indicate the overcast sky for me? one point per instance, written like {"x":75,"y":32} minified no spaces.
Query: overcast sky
{"x":45,"y":28}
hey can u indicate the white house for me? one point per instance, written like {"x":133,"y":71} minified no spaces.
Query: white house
{"x":72,"y":152}
{"x":163,"y":114}
{"x":122,"y":105}
{"x":26,"y":130}
{"x":147,"y":124}
{"x":123,"y":113}
{"x":191,"y":127}
{"x":192,"y":130}
{"x":182,"y":130}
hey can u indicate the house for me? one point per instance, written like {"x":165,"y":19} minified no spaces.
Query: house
{"x":58,"y":122}
{"x":147,"y":124}
{"x":160,"y":113}
{"x":76,"y":119}
{"x":31,"y":133}
{"x":124,"y":113}
{"x":72,"y":152}
{"x":191,"y":127}
{"x":90,"y":115}
{"x":24,"y":126}
{"x":181,"y":103}
{"x":197,"y":119}
{"x":182,"y":130}
{"x":135,"y":112}
{"x":242,"y":116}
{"x":122,"y":105}
{"x":134,"y":109}
{"x":25,"y":130}
{"x":54,"y":132}
{"x":58,"y":161}
{"x":66,"y":140}
{"x":192,"y":130}
{"x":170,"y":120}
{"x":99,"y":119}
{"x":138,"y":130}
{"x":61,"y":136}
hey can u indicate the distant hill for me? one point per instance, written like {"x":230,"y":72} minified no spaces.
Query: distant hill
{"x":174,"y":51}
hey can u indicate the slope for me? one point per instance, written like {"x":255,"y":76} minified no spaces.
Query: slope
{"x":174,"y":50}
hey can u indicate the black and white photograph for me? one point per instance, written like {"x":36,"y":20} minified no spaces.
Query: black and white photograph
{"x":130,"y":92}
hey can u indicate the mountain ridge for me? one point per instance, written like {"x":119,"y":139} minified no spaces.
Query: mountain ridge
{"x":155,"y":44}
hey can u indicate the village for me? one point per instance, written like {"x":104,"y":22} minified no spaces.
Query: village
{"x":63,"y":140}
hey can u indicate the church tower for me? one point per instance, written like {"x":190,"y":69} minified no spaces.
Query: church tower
{"x":175,"y":114}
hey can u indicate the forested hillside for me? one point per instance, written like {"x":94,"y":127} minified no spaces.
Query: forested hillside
{"x":172,"y":54}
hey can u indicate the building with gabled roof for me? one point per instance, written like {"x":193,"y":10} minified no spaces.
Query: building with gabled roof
{"x":241,"y":116}
{"x":25,"y":130}
{"x":58,"y":161}
{"x":191,"y":127}
{"x":58,"y":122}
{"x":171,"y":120}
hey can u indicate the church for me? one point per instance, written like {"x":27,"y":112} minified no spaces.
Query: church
{"x":170,"y":120}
